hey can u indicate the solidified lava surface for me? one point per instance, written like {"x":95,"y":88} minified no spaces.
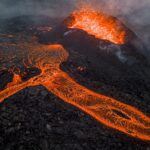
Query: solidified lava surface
{"x":34,"y":118}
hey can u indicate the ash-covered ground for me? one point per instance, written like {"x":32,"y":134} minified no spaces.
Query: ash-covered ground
{"x":35,"y":119}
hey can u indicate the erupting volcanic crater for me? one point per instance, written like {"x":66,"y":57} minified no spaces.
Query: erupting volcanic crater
{"x":98,"y":24}
{"x":112,"y":54}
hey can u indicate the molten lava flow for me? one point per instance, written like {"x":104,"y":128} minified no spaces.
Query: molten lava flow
{"x":98,"y":24}
{"x":45,"y":57}
{"x":16,"y":80}
{"x":106,"y":110}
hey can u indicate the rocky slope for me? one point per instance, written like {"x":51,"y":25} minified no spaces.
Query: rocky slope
{"x":36,"y":119}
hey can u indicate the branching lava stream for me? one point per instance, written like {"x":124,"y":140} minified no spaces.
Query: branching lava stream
{"x":104,"y":109}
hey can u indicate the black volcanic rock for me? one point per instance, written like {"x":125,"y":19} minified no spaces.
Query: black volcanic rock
{"x":124,"y":66}
{"x":27,"y":23}
{"x":78,"y":40}
{"x":36,"y":119}
{"x":5,"y":77}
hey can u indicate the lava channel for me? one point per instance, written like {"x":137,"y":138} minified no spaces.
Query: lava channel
{"x":104,"y":109}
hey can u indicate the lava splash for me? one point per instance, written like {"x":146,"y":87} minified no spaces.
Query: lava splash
{"x":98,"y":24}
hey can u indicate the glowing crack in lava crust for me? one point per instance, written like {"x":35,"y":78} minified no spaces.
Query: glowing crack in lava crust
{"x":98,"y":24}
{"x":48,"y":58}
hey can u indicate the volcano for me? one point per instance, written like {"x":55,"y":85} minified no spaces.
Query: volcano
{"x":89,"y":60}
{"x":109,"y":61}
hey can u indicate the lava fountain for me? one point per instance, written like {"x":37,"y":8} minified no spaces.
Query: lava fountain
{"x":98,"y":24}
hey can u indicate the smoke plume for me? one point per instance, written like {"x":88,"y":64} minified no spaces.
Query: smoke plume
{"x":11,"y":8}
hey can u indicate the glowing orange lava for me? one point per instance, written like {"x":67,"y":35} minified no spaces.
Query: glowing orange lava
{"x":98,"y":24}
{"x":103,"y":108}
{"x":16,"y":80}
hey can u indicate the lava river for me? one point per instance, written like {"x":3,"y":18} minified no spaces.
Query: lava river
{"x":48,"y":58}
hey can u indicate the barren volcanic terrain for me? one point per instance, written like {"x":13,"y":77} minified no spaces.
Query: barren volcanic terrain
{"x":63,"y":88}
